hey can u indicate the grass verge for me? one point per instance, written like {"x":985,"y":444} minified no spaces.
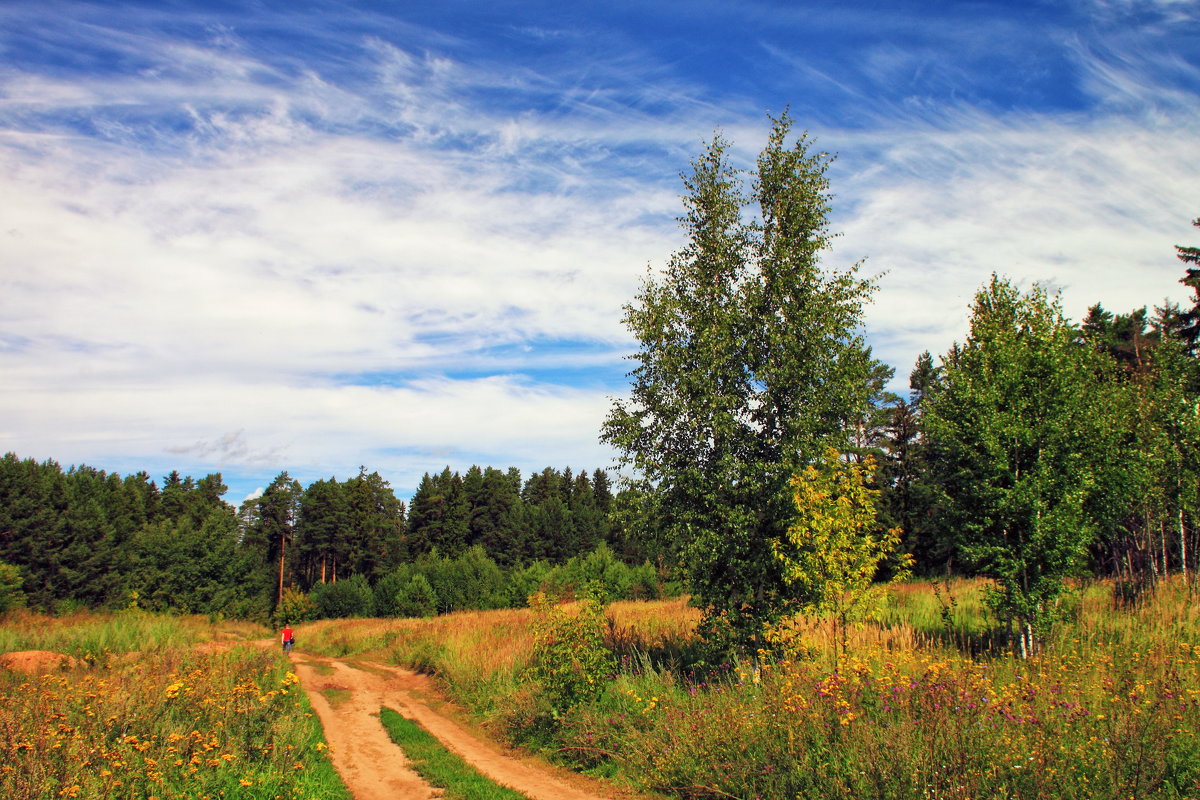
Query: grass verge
{"x":168,"y":721}
{"x":439,"y":766}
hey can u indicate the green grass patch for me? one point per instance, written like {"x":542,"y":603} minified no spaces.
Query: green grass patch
{"x":336,"y":695}
{"x":321,"y":668}
{"x":439,"y":766}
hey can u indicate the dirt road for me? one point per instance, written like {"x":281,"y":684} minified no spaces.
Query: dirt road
{"x":375,"y":769}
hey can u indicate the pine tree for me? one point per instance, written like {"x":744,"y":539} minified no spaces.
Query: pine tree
{"x":1191,"y":319}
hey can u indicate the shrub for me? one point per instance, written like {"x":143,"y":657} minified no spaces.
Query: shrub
{"x":643,"y":583}
{"x":295,"y":606}
{"x":388,"y":589}
{"x":351,"y":597}
{"x":417,"y":598}
{"x":481,"y":578}
{"x":570,"y":661}
{"x":525,"y":581}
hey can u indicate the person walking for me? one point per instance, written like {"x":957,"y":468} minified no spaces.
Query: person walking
{"x":289,"y":638}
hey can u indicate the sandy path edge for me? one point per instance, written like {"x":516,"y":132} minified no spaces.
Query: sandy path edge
{"x":370,"y":764}
{"x":374,"y":767}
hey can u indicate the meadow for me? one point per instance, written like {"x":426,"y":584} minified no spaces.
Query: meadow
{"x":153,"y":707}
{"x":926,"y":703}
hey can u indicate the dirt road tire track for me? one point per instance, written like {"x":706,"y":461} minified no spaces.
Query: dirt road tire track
{"x":371,"y":765}
{"x":375,"y":768}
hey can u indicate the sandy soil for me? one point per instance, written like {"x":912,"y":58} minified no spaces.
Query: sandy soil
{"x":373,"y":767}
{"x":35,"y":662}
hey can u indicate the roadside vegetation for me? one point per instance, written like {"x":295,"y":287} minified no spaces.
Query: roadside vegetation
{"x":928,"y":701}
{"x":768,"y":471}
{"x":145,"y":713}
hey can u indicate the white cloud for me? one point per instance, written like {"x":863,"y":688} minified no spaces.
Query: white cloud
{"x":212,"y":256}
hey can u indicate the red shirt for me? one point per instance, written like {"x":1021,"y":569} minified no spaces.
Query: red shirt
{"x":287,"y":634}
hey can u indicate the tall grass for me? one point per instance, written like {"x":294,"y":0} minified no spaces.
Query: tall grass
{"x":929,"y":702}
{"x":167,"y":722}
{"x":480,"y":656}
{"x":88,"y":636}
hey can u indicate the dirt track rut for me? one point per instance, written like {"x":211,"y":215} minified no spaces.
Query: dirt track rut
{"x":374,"y":768}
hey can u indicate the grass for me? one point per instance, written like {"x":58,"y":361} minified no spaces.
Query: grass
{"x":91,"y":636}
{"x":438,"y":766}
{"x":480,"y":656}
{"x":928,"y":703}
{"x":336,"y":696}
{"x":162,"y":719}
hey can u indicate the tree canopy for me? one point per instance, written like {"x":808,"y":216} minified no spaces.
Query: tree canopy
{"x":750,"y":363}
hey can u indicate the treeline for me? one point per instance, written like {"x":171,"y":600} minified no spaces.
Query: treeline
{"x":86,"y":537}
{"x":1038,"y":443}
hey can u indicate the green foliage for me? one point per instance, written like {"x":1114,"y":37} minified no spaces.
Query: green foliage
{"x":12,"y":593}
{"x":834,"y":548}
{"x":387,"y":590}
{"x":1017,"y":431}
{"x":85,"y":538}
{"x":416,"y":598}
{"x":351,"y":597}
{"x":296,"y":606}
{"x":1190,"y":319}
{"x":525,"y":581}
{"x":571,"y":663}
{"x":750,"y":360}
{"x":471,"y":580}
{"x":600,"y":571}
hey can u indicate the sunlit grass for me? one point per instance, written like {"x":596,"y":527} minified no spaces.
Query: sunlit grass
{"x":928,"y":703}
{"x":171,"y":721}
{"x":88,"y":635}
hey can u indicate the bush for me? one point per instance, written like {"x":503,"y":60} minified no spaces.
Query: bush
{"x":643,"y":583}
{"x":417,"y":598}
{"x":295,"y":606}
{"x":351,"y":597}
{"x":481,"y":579}
{"x":570,"y":661}
{"x":524,"y":582}
{"x":388,"y":589}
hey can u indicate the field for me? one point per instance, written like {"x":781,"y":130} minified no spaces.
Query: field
{"x":148,"y":707}
{"x":926,"y":704}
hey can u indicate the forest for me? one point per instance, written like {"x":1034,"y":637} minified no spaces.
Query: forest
{"x":83,"y":537}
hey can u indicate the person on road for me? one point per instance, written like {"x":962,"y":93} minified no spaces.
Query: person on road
{"x":288,"y":638}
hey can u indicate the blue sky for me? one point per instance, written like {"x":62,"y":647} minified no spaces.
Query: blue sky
{"x":246,"y":237}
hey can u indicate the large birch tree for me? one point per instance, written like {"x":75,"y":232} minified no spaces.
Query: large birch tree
{"x":750,"y":363}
